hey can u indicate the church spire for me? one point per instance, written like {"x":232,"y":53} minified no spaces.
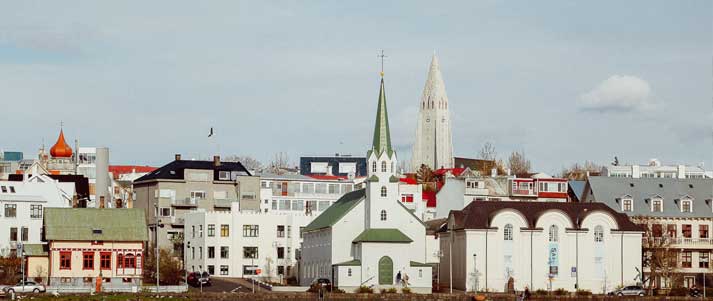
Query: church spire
{"x":382,"y":135}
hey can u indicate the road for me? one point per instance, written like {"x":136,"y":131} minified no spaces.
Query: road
{"x":228,"y":285}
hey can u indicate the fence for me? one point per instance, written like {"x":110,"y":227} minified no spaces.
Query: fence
{"x":117,"y":289}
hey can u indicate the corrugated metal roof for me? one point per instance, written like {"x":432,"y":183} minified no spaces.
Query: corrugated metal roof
{"x":335,"y":212}
{"x":87,"y":224}
{"x":382,"y":235}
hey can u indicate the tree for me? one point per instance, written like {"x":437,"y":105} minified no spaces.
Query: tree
{"x":169,"y":266}
{"x":9,"y":269}
{"x":250,"y":163}
{"x":279,"y":163}
{"x":424,"y":174}
{"x":659,"y":256}
{"x":579,"y":171}
{"x":518,"y":163}
{"x":487,"y":152}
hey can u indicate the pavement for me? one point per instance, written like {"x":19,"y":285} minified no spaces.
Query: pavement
{"x":228,"y":285}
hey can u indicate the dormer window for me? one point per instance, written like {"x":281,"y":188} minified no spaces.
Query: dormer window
{"x":657,"y":205}
{"x":627,"y":205}
{"x":686,"y":205}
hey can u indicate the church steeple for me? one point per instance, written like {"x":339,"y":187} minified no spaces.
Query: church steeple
{"x":382,"y":134}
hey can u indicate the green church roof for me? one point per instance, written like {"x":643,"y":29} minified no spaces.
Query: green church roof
{"x":382,"y":235}
{"x":355,"y":262}
{"x":382,"y":135}
{"x":84,"y":224}
{"x":335,"y":212}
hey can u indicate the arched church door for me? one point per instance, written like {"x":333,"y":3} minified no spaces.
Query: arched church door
{"x":386,"y":271}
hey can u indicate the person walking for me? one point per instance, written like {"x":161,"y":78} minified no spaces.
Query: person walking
{"x":526,"y":294}
{"x":406,"y":280}
{"x":398,"y":278}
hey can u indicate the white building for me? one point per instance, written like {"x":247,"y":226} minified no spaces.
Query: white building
{"x":505,"y":246}
{"x":23,"y":203}
{"x":239,"y":243}
{"x":654,"y":169}
{"x":298,"y":193}
{"x":369,"y":237}
{"x":434,"y":145}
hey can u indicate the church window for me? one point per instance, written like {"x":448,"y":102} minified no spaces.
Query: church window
{"x":554,"y":237}
{"x":507,"y":232}
{"x":373,"y":166}
{"x":383,"y":191}
{"x":383,"y":215}
{"x":383,"y":166}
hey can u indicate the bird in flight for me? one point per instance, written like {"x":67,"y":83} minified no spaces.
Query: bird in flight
{"x":211,"y":132}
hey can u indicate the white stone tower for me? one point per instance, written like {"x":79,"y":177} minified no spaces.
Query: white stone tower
{"x":434,"y":145}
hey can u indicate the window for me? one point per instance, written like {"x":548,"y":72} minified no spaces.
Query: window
{"x":280,"y":253}
{"x":671,"y":230}
{"x":65,"y":260}
{"x":686,"y":230}
{"x":200,"y":252}
{"x":280,"y":231}
{"x":320,"y":188}
{"x":211,"y":252}
{"x":280,"y":270}
{"x":311,"y":205}
{"x":198,"y":195}
{"x":10,"y":210}
{"x":250,"y":252}
{"x":703,"y":259}
{"x":383,"y":191}
{"x":407,"y":198}
{"x":554,"y":237}
{"x":373,"y":169}
{"x":200,"y":230}
{"x":383,"y":215}
{"x":211,"y":270}
{"x":105,"y":260}
{"x":383,"y":166}
{"x":119,"y":261}
{"x":193,"y":231}
{"x":24,"y":234}
{"x":627,"y":206}
{"x":333,"y":188}
{"x":686,"y":206}
{"x":599,"y":234}
{"x":656,"y":205}
{"x":703,"y":231}
{"x":193,"y":253}
{"x":13,"y":233}
{"x":307,"y":188}
{"x":211,"y":230}
{"x":507,"y":232}
{"x":349,"y":272}
{"x":224,"y":230}
{"x":251,"y":230}
{"x":35,"y":211}
{"x":471,"y":184}
{"x":88,"y":260}
{"x":224,"y":175}
{"x":298,"y":205}
{"x":420,"y":273}
{"x":686,"y":259}
{"x":224,"y":252}
{"x":274,"y":204}
{"x":224,"y":270}
{"x":289,"y":231}
{"x":4,"y":189}
{"x":657,"y":230}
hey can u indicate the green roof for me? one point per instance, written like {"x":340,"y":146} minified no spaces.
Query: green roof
{"x":355,"y":262}
{"x":382,"y":235}
{"x":335,"y":212}
{"x":382,"y":135}
{"x":373,"y":178}
{"x":95,"y":224}
{"x":394,"y":179}
{"x":418,"y":264}
{"x":35,"y":249}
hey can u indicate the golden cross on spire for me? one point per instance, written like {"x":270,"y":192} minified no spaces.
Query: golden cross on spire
{"x":382,"y":56}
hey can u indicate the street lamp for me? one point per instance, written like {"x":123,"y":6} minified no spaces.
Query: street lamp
{"x":157,"y":225}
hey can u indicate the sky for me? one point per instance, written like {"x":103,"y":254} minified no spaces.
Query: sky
{"x":563,"y":82}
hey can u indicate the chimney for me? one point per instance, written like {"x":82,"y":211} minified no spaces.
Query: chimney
{"x":103,"y":181}
{"x":216,"y":161}
{"x":177,"y":157}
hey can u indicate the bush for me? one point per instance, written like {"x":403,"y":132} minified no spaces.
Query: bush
{"x":406,"y":290}
{"x":584,"y":293}
{"x":540,"y":292}
{"x":383,"y":291}
{"x":560,"y":292}
{"x":338,"y":291}
{"x":364,"y":290}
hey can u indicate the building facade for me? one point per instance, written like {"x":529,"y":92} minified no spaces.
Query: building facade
{"x":434,"y":145}
{"x":302,"y":194}
{"x":654,"y":169}
{"x":338,"y":165}
{"x":506,"y":246}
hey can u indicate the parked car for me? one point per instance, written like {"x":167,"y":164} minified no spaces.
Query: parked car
{"x":29,"y":287}
{"x":632,"y":290}
{"x":199,"y":279}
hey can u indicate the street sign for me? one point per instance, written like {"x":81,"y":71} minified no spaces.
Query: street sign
{"x":574,"y":271}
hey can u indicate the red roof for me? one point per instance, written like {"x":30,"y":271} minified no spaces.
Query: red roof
{"x":442,"y":171}
{"x":124,"y":169}
{"x":408,"y":181}
{"x":325,"y":177}
{"x":430,"y":198}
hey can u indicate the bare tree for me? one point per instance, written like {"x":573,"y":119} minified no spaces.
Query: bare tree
{"x":249,"y":162}
{"x":280,"y":163}
{"x":487,"y":152}
{"x":659,"y":256}
{"x":518,"y":163}
{"x":579,"y":171}
{"x":424,"y":176}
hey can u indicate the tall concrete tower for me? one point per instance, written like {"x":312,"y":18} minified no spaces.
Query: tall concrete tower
{"x":434,"y":145}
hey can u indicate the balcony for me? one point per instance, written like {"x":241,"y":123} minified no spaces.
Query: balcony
{"x":476,"y":191}
{"x":681,"y":242}
{"x":187,"y":202}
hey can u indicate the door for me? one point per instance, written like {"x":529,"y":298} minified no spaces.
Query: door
{"x":386,"y":271}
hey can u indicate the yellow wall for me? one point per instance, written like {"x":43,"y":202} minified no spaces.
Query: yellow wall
{"x":37,"y":267}
{"x":77,"y":249}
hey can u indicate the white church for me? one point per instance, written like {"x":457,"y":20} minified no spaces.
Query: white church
{"x":368,"y":238}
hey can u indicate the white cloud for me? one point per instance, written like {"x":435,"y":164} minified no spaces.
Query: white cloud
{"x":618,"y":93}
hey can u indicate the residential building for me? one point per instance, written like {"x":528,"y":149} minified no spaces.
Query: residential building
{"x":23,"y":204}
{"x":298,"y":193}
{"x":678,"y":216}
{"x":507,"y":246}
{"x":123,"y":177}
{"x":654,"y":169}
{"x":245,"y":244}
{"x":182,"y":186}
{"x":9,"y":163}
{"x":106,"y":243}
{"x":433,"y":146}
{"x":338,"y":165}
{"x":368,"y":236}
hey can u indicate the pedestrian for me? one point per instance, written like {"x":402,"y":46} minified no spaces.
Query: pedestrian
{"x":398,"y":278}
{"x":526,"y":293}
{"x":405,"y":280}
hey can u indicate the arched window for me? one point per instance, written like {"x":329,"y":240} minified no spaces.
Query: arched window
{"x":383,"y":215}
{"x":373,"y":166}
{"x":129,"y":261}
{"x":507,"y":232}
{"x":119,"y":261}
{"x":598,"y":234}
{"x":383,"y":191}
{"x":554,"y":236}
{"x":383,"y":166}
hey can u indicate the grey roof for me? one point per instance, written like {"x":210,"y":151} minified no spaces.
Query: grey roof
{"x":577,"y":187}
{"x":610,"y":190}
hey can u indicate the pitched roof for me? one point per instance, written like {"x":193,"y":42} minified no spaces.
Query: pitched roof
{"x":382,"y":235}
{"x":335,"y":212}
{"x":36,"y":249}
{"x":609,"y":190}
{"x":419,"y":264}
{"x":478,"y":215}
{"x":175,"y":169}
{"x":577,"y":188}
{"x":432,"y":226}
{"x":382,"y":134}
{"x":355,"y":262}
{"x":95,"y":224}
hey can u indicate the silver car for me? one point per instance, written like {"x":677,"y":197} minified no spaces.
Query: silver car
{"x":632,"y":290}
{"x":29,"y":287}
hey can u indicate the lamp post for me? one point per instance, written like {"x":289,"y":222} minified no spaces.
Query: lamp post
{"x":475,"y":273}
{"x":185,"y":261}
{"x":157,"y":225}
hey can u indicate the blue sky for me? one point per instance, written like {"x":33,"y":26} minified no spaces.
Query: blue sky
{"x":563,"y":81}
